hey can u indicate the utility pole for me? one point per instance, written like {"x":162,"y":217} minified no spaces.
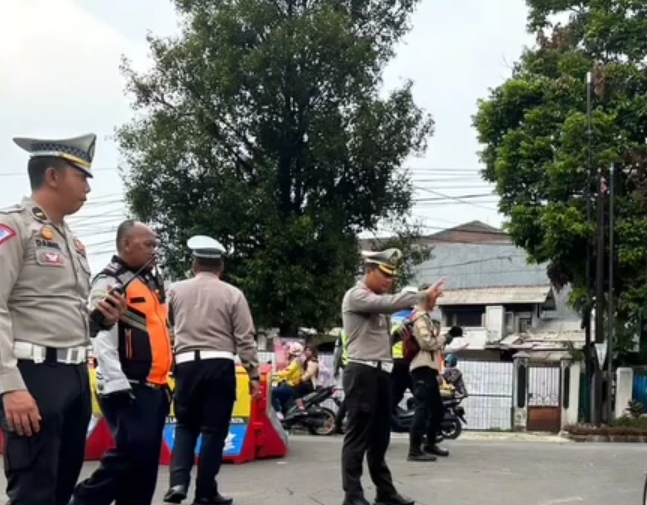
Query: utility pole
{"x":611,"y":315}
{"x":586,"y":316}
{"x":599,"y":299}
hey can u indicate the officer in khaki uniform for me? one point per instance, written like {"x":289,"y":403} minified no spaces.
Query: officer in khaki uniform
{"x":212,"y":323}
{"x":367,"y":377}
{"x":44,"y":326}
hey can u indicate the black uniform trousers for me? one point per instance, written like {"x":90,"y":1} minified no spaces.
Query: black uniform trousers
{"x":429,"y":408}
{"x":128,"y":472}
{"x":43,"y":469}
{"x":368,"y":400}
{"x":401,"y":380}
{"x":341,"y":415}
{"x":205,"y":393}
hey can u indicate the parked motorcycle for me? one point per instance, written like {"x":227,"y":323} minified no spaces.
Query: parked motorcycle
{"x":450,"y":427}
{"x":307,"y":413}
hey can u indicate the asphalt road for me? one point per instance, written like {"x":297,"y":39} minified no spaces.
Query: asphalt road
{"x":495,"y":471}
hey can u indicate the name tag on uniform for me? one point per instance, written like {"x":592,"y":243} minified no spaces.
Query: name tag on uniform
{"x":50,"y":258}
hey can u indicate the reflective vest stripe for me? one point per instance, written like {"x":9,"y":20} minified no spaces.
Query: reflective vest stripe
{"x":344,"y":348}
{"x":397,"y":351}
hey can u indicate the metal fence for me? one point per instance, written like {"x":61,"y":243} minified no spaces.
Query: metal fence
{"x":490,"y":388}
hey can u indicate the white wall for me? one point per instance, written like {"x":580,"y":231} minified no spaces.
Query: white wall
{"x":624,"y":389}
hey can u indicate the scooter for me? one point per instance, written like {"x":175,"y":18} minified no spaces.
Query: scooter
{"x":450,"y":427}
{"x":307,"y":413}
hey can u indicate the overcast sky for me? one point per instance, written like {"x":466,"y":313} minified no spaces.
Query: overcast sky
{"x":59,"y":77}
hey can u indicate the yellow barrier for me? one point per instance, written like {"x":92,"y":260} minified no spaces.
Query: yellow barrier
{"x":242,"y":408}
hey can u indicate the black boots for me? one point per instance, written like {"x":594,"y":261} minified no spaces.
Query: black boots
{"x":419,"y":455}
{"x":427,"y":453}
{"x":396,"y":499}
{"x":436,"y":450}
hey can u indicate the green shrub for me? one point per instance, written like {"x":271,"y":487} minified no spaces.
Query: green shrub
{"x":628,"y":421}
{"x":634,"y":409}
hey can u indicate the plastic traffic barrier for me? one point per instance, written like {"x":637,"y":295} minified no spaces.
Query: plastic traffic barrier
{"x":254,"y":432}
{"x":98,"y":439}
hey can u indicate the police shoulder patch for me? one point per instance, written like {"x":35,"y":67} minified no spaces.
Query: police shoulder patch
{"x":6,"y":233}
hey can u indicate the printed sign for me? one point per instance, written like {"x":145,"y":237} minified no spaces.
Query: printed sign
{"x":601,"y":351}
{"x":233,"y":442}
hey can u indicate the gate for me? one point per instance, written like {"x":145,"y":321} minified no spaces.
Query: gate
{"x":544,"y":397}
{"x":490,"y":388}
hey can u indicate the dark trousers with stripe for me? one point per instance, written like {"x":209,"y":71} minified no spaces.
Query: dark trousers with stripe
{"x":368,"y":433}
{"x":128,"y":472}
{"x":43,"y":469}
{"x":205,"y":393}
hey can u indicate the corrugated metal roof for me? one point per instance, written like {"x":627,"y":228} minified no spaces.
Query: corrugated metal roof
{"x":480,"y":265}
{"x":502,"y":295}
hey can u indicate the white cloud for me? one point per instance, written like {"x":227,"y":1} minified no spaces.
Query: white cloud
{"x":59,"y":77}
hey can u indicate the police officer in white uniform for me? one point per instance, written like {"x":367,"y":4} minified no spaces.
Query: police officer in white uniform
{"x":44,"y":325}
{"x":212,"y":323}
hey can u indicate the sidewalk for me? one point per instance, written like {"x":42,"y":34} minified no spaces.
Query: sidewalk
{"x":500,"y":436}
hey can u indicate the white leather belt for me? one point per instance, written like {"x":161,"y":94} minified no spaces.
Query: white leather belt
{"x":185,"y":357}
{"x":39,"y":354}
{"x":386,"y":366}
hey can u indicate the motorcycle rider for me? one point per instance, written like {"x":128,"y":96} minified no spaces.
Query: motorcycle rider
{"x":309,"y":380}
{"x":425,"y":376}
{"x":453,"y":377}
{"x":288,"y":379}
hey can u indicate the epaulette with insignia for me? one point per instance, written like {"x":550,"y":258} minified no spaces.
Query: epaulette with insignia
{"x":13,"y":209}
{"x":112,"y":269}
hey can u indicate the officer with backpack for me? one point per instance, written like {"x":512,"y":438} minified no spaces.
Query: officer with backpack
{"x":423,"y":344}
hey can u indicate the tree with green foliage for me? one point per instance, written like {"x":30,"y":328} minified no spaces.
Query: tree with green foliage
{"x":262,"y":125}
{"x":534,"y":130}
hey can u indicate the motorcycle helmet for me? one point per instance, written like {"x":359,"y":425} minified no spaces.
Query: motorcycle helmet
{"x":450,"y":360}
{"x":295,"y":349}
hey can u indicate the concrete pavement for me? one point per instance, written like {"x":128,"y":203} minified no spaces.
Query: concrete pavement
{"x":498,"y":470}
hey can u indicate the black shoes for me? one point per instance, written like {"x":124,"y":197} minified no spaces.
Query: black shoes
{"x":355,"y":500}
{"x":176,"y":494}
{"x":396,"y":499}
{"x":217,"y":499}
{"x":436,"y":450}
{"x":420,"y":456}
